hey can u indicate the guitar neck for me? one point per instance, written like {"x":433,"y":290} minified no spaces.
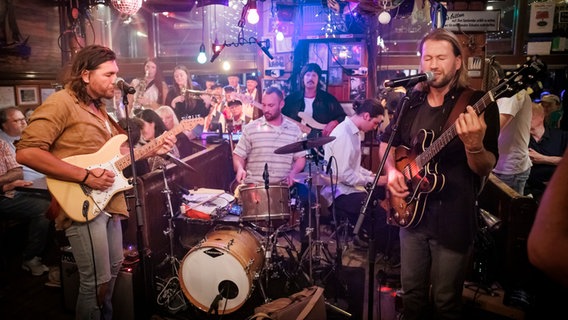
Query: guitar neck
{"x":451,"y":132}
{"x":153,"y":145}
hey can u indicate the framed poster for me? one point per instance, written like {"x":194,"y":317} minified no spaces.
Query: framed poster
{"x":357,"y":88}
{"x":283,"y":85}
{"x":46,"y":92}
{"x":335,"y":77}
{"x":7,"y":97}
{"x":27,"y":95}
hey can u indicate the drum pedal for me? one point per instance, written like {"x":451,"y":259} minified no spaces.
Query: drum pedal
{"x":171,"y":296}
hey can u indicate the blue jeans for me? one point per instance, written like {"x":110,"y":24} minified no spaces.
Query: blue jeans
{"x":32,"y":207}
{"x":430,"y":272}
{"x":517,"y":181}
{"x":101,"y":240}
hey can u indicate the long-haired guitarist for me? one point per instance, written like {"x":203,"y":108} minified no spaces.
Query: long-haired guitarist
{"x":71,"y":123}
{"x":434,"y":200}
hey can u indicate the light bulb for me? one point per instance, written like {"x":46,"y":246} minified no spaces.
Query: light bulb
{"x":279,"y":36}
{"x":252,"y":16}
{"x":202,"y":57}
{"x":384,"y":17}
{"x":226,"y":66}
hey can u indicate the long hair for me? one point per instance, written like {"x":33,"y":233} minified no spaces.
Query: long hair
{"x":372,"y":106}
{"x":311,"y":67}
{"x":461,"y":79}
{"x":189,"y":83}
{"x":88,"y":58}
{"x":158,"y":79}
{"x":151,"y":116}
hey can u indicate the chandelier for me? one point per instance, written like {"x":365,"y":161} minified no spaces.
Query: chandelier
{"x":127,"y":7}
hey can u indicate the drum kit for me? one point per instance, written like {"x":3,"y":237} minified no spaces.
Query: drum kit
{"x":249,"y":242}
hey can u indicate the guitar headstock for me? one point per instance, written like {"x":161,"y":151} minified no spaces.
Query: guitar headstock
{"x":523,"y":77}
{"x":191,"y":123}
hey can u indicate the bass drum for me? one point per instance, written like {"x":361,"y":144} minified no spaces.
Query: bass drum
{"x":219,"y":271}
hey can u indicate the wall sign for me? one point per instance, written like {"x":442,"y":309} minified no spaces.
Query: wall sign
{"x":476,"y":21}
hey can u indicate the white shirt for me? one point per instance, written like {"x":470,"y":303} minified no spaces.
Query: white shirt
{"x":514,"y":137}
{"x":346,"y":149}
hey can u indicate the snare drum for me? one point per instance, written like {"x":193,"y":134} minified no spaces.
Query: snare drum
{"x":224,"y":264}
{"x":257,"y":202}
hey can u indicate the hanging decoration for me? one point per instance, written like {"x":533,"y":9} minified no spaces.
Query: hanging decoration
{"x":127,"y":7}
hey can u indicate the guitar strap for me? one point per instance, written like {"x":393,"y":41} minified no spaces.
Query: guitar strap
{"x":116,"y":126}
{"x":459,"y":107}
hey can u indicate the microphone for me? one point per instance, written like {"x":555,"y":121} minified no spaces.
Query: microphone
{"x":410,"y":80}
{"x":359,"y":223}
{"x":265,"y":175}
{"x":125,"y":87}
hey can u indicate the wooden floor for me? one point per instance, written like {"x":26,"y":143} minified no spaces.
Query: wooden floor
{"x":23,"y":296}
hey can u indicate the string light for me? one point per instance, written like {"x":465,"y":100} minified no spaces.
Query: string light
{"x":252,"y":12}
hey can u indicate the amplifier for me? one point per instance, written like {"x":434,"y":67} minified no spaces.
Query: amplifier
{"x":127,"y":289}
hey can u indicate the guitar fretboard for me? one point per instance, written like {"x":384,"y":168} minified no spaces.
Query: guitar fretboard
{"x":155,"y":144}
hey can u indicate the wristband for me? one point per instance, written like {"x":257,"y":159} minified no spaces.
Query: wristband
{"x":86,"y":176}
{"x":474,"y":151}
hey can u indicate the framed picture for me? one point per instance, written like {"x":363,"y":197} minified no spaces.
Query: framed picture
{"x":27,"y":95}
{"x":7,"y":97}
{"x":335,"y":77}
{"x":283,"y":85}
{"x":357,"y":88}
{"x":323,"y":81}
{"x":46,"y":92}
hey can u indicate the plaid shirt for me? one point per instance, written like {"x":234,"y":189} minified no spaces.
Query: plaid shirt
{"x":8,"y":160}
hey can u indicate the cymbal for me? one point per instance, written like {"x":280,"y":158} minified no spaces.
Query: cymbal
{"x":303,"y":145}
{"x":319,"y":179}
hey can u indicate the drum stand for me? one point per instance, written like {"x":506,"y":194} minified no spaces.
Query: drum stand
{"x":171,"y":292}
{"x":317,"y":250}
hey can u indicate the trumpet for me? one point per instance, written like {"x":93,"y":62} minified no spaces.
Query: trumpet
{"x":199,"y":93}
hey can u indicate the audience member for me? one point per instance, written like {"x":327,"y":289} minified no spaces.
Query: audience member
{"x":513,"y":166}
{"x":254,"y":93}
{"x":234,"y":80}
{"x":546,"y":147}
{"x":24,"y":205}
{"x":13,"y":123}
{"x":548,"y":239}
{"x":151,"y":90}
{"x":436,"y":247}
{"x":170,"y":120}
{"x":73,"y":122}
{"x":552,"y":111}
{"x":153,"y":127}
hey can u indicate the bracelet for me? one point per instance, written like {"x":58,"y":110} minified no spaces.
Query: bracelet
{"x":474,"y":151}
{"x":86,"y":176}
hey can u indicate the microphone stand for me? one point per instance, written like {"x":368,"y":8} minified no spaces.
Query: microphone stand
{"x":142,"y":252}
{"x":370,"y":189}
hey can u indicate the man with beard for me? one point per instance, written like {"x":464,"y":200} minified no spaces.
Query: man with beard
{"x":254,"y":158}
{"x":435,"y":250}
{"x":74,"y":122}
{"x":313,"y":106}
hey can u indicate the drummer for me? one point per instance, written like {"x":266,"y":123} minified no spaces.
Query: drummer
{"x":254,"y":159}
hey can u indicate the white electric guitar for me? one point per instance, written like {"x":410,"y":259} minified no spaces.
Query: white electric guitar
{"x":313,"y":124}
{"x":82,"y":203}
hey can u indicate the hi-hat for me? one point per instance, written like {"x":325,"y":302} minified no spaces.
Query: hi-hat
{"x":317,"y":179}
{"x":302,"y":145}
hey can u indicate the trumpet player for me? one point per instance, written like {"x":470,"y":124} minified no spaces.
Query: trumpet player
{"x":184,"y":103}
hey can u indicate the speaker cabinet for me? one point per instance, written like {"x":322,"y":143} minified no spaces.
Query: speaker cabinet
{"x":127,"y":289}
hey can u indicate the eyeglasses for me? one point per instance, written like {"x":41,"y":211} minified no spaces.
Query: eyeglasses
{"x":19,"y":120}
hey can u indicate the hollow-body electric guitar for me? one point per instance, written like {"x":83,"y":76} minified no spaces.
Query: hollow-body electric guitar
{"x":416,"y":164}
{"x":82,"y":203}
